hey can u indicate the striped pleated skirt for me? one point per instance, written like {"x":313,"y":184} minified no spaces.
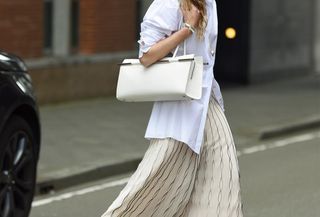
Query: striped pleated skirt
{"x":173,"y":181}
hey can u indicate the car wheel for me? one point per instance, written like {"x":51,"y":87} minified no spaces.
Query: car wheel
{"x":17,"y":168}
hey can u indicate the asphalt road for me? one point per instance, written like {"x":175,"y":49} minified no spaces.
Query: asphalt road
{"x":279,"y":178}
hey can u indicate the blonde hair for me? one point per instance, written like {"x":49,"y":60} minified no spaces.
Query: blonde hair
{"x":203,"y":20}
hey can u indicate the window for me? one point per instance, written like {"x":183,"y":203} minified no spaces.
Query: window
{"x":48,"y":26}
{"x":74,"y":22}
{"x":138,"y":18}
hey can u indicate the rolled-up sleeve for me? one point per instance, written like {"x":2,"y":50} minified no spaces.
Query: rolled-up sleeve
{"x":160,"y":21}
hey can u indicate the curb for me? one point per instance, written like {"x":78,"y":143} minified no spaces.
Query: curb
{"x":62,"y":179}
{"x":277,"y":131}
{"x":69,"y":177}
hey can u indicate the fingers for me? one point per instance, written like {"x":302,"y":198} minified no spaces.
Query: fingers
{"x":189,"y":8}
{"x":191,"y":14}
{"x":193,"y":11}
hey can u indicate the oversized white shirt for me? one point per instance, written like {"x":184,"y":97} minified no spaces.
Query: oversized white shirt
{"x":182,"y":120}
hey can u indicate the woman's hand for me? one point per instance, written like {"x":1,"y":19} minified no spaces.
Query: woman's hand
{"x":163,"y":47}
{"x":191,"y":14}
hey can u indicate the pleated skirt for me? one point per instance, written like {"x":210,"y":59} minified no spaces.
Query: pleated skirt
{"x":173,"y":181}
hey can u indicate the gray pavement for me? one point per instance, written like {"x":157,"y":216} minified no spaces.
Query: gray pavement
{"x":277,"y":181}
{"x":96,"y":138}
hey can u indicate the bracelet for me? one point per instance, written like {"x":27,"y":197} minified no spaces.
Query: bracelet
{"x":191,"y":28}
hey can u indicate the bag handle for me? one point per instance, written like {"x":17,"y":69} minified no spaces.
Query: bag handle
{"x":184,"y":42}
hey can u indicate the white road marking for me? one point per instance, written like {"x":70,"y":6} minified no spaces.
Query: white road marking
{"x":279,"y":143}
{"x":251,"y":150}
{"x":80,"y":192}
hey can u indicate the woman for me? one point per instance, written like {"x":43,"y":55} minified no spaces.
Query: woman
{"x":190,"y":168}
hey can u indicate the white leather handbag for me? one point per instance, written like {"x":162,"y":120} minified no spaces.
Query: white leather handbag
{"x":171,"y":78}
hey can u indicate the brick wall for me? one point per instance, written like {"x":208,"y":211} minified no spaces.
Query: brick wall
{"x":21,"y":27}
{"x":107,"y":26}
{"x":75,"y":81}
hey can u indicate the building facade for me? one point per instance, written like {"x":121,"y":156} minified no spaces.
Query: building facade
{"x":20,"y":27}
{"x":67,"y":43}
{"x":75,"y":45}
{"x":42,"y":28}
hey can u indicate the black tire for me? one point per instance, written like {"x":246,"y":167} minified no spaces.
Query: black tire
{"x":18,"y":164}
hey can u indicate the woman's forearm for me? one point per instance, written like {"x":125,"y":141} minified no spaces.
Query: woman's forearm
{"x":163,"y":47}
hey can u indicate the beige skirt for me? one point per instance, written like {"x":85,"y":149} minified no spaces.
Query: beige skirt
{"x":173,"y":181}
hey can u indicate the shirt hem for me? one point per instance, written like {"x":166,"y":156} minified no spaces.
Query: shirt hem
{"x":194,"y":149}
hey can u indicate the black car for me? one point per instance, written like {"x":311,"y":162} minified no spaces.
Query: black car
{"x":19,"y":137}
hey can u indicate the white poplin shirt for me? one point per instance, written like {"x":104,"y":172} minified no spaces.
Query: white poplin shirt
{"x":181,"y":120}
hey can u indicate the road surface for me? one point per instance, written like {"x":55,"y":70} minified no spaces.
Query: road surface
{"x":279,"y":178}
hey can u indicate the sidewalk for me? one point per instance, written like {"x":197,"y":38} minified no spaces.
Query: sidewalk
{"x":86,"y":140}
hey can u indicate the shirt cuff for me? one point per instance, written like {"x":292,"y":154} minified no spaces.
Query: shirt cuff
{"x":143,"y":47}
{"x":149,"y":36}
